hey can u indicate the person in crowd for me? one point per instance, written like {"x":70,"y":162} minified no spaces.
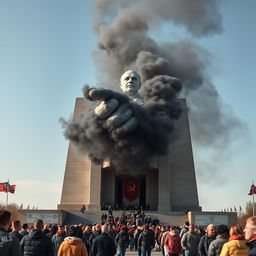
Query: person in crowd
{"x":96,"y":231}
{"x":46,"y":228}
{"x":222,"y":237}
{"x":190,"y":241}
{"x":58,"y":238}
{"x":146,"y":241}
{"x":236,"y":245}
{"x":72,"y":244}
{"x":172,"y":242}
{"x":250,"y":235}
{"x":165,"y":232}
{"x":37,"y":243}
{"x":137,"y":233}
{"x":184,"y":229}
{"x":16,"y":227}
{"x":122,"y":240}
{"x":53,"y":231}
{"x":103,"y":245}
{"x":131,"y":234}
{"x":9,"y":245}
{"x":86,"y":236}
{"x":25,"y":229}
{"x":206,"y":240}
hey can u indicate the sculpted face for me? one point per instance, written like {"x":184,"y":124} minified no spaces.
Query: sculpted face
{"x":130,"y":83}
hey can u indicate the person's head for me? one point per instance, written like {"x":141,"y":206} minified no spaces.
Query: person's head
{"x":186,"y":224}
{"x":98,"y":227}
{"x":130,"y":82}
{"x":73,"y":231}
{"x":25,"y":226}
{"x":38,"y":224}
{"x":146,"y":227}
{"x":211,"y":230}
{"x":5,"y":217}
{"x":61,"y":229}
{"x":191,"y":228}
{"x":250,"y":228}
{"x":54,"y":229}
{"x":222,"y":230}
{"x":235,"y":230}
{"x":16,"y":226}
{"x":46,"y":226}
{"x":104,"y":228}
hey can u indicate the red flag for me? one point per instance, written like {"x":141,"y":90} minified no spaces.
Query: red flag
{"x":6,"y":187}
{"x":2,"y":187}
{"x":131,"y":189}
{"x":252,"y":190}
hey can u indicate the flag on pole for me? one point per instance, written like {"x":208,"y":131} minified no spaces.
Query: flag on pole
{"x":6,"y":187}
{"x":252,"y":190}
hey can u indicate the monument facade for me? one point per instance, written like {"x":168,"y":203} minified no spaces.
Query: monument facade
{"x":167,"y":184}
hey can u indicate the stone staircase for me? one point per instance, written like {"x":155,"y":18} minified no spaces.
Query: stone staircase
{"x":90,"y":217}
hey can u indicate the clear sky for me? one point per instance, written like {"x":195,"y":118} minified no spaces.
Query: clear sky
{"x":45,"y":59}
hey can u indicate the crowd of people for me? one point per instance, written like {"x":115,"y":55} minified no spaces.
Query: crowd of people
{"x":109,"y":239}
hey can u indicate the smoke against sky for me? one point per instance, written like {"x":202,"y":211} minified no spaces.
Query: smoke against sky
{"x":124,"y":29}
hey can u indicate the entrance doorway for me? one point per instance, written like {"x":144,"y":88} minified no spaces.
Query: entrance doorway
{"x":130,"y":190}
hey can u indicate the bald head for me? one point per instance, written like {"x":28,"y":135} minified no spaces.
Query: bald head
{"x":130,"y":83}
{"x":104,"y":228}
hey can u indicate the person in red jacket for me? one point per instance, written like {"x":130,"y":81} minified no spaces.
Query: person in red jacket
{"x":173,"y":242}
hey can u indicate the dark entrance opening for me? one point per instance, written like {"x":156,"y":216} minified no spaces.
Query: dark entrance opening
{"x":119,"y":190}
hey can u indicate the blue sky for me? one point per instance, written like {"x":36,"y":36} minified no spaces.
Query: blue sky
{"x":45,"y":59}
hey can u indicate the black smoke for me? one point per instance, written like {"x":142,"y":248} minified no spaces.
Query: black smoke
{"x":125,"y":42}
{"x":133,"y":150}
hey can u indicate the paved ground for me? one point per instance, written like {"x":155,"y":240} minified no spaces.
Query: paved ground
{"x":133,"y":253}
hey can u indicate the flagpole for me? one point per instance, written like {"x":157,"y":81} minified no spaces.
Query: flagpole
{"x":253,"y":211}
{"x":7,"y":196}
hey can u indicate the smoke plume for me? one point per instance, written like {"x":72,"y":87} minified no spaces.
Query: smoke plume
{"x":124,"y":29}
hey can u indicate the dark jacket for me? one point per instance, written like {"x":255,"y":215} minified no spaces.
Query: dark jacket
{"x":252,"y":248}
{"x":17,"y":234}
{"x":93,"y":235}
{"x":204,"y":244}
{"x":36,"y":244}
{"x":122,"y":239}
{"x":216,"y":246}
{"x":9,"y":245}
{"x":146,"y":239}
{"x":103,"y":245}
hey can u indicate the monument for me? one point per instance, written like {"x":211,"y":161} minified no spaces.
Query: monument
{"x":166,"y":184}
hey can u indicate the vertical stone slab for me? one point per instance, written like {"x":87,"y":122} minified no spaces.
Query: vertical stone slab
{"x":164,"y":183}
{"x":183,"y":187}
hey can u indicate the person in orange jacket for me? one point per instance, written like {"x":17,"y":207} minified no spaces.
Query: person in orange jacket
{"x":72,"y":245}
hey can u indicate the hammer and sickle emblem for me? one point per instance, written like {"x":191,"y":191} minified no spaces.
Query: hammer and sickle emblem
{"x":131,"y":187}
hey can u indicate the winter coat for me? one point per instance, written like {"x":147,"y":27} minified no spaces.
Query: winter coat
{"x":103,"y":245}
{"x":252,"y":247}
{"x":72,"y":246}
{"x":17,"y":234}
{"x":36,"y":243}
{"x":9,"y":245}
{"x":216,"y":246}
{"x":122,"y":239}
{"x":172,"y":243}
{"x":146,"y":239}
{"x":56,"y":242}
{"x":190,"y":241}
{"x":204,"y":244}
{"x":235,"y":247}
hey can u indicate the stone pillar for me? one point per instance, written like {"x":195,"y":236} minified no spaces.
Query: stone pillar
{"x":164,"y":183}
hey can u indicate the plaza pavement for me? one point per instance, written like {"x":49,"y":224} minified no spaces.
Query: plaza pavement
{"x":133,"y":253}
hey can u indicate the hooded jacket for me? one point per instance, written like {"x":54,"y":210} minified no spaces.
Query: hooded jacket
{"x":72,"y":246}
{"x":9,"y":245}
{"x":252,"y":246}
{"x":36,"y":243}
{"x":236,"y":246}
